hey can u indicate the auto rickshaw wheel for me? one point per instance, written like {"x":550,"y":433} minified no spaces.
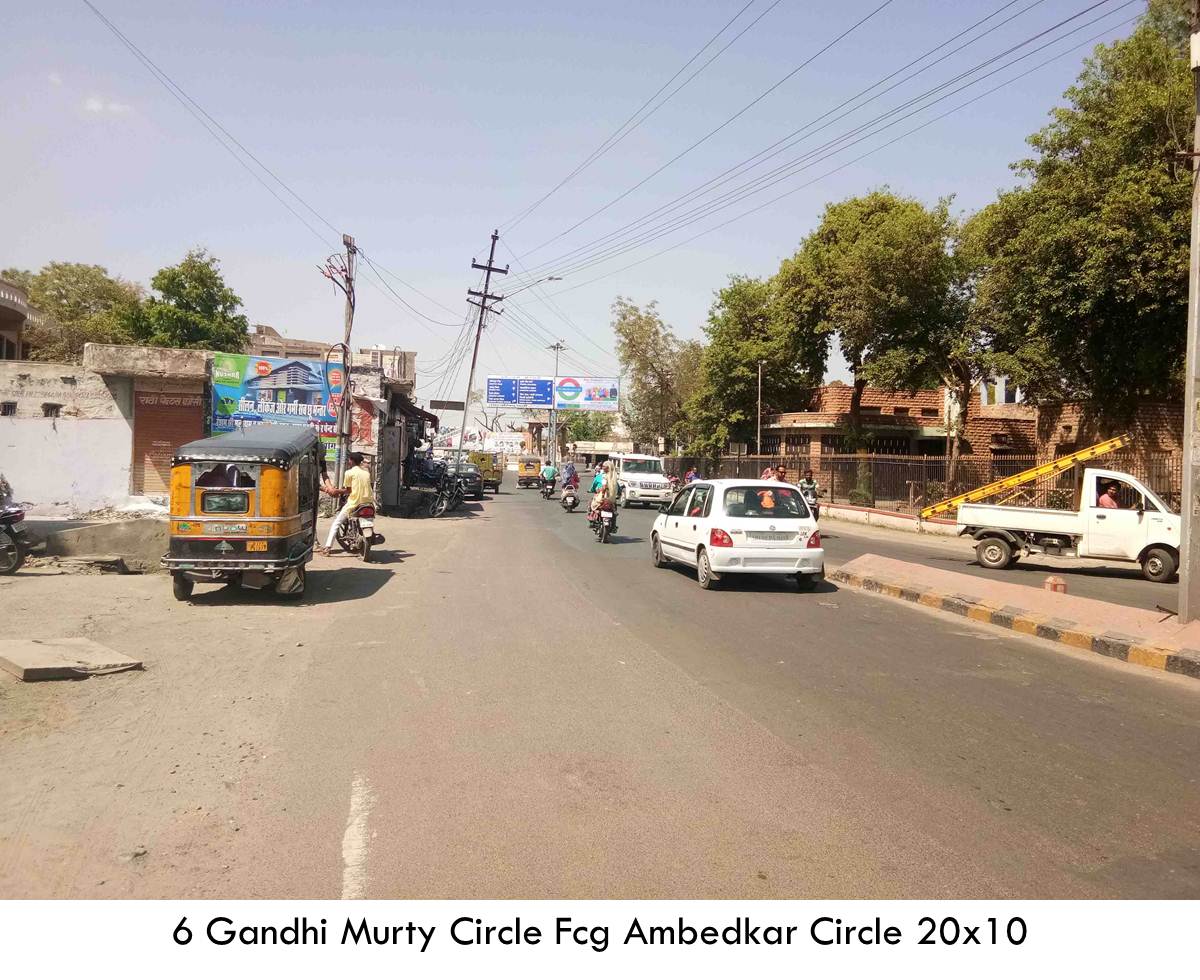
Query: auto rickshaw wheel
{"x":181,"y":586}
{"x":301,"y":579}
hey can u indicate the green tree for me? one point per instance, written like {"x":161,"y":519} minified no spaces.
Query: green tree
{"x":585,"y":426}
{"x":1084,"y":276}
{"x":752,"y":320}
{"x":193,"y":308}
{"x":875,"y":273}
{"x":80,"y":304}
{"x":650,"y":357}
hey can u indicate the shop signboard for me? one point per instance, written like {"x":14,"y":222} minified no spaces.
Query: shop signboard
{"x":249,"y":390}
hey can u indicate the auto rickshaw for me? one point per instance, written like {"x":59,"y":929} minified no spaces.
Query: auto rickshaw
{"x":491,"y":466}
{"x":529,"y":471}
{"x":244,"y":509}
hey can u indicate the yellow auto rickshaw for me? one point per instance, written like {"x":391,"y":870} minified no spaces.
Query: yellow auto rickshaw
{"x":529,"y":471}
{"x":491,"y":468}
{"x":244,"y":509}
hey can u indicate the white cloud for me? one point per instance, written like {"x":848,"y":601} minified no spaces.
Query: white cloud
{"x":54,"y":78}
{"x":99,"y":106}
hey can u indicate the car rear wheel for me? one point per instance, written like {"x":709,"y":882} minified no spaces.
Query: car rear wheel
{"x":993,"y":552}
{"x":181,"y":587}
{"x":805,"y":582}
{"x":704,"y":573}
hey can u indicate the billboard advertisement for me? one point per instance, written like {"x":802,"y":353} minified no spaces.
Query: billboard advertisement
{"x":249,"y":390}
{"x":587,"y":394}
{"x":521,"y":392}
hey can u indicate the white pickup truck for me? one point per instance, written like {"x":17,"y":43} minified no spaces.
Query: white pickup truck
{"x":1140,"y":528}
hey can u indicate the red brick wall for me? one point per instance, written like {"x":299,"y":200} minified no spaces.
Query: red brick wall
{"x":1066,"y":426}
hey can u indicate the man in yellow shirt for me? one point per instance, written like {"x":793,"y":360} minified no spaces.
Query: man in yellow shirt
{"x":356,"y":487}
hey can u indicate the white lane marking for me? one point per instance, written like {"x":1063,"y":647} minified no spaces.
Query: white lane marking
{"x":354,"y":840}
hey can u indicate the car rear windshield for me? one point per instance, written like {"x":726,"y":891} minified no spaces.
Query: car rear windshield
{"x":224,"y":502}
{"x":642,"y":466}
{"x":776,"y":502}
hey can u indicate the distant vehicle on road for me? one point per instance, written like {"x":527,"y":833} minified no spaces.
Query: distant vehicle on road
{"x":469,"y":476}
{"x":491,"y":465}
{"x":641,"y":479}
{"x":1114,"y":516}
{"x":529,"y":471}
{"x":739,"y":527}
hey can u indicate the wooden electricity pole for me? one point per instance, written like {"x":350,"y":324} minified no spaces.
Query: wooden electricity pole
{"x":482,"y":303}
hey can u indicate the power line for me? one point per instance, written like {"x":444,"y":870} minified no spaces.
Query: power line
{"x":613,"y":139}
{"x":849,"y":163}
{"x":786,"y":141}
{"x":816,"y":155}
{"x":224,"y":137}
{"x":713,"y":132}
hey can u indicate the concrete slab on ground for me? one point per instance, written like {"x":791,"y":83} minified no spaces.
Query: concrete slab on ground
{"x":70,"y":658}
{"x":1152,"y":639}
{"x":140,"y":542}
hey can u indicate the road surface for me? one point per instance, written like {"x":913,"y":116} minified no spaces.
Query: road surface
{"x":502,"y":707}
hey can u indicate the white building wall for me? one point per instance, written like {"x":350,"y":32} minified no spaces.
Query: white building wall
{"x":76,"y":461}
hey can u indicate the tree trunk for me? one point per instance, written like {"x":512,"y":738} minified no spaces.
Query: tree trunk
{"x":856,"y":433}
{"x":962,"y":399}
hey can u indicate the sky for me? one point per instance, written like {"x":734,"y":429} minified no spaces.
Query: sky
{"x":419,"y":127}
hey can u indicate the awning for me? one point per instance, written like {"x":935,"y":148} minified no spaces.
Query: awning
{"x":410,"y":410}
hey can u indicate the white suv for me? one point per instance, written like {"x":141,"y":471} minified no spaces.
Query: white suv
{"x":642,"y":479}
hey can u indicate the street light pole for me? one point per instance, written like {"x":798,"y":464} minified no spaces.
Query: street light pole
{"x":1189,"y":551}
{"x":758,"y":433}
{"x":558,"y":348}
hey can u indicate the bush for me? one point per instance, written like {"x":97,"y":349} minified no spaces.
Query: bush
{"x":861,"y":498}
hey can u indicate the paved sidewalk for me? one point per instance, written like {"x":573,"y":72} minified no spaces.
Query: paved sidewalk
{"x":1152,"y":639}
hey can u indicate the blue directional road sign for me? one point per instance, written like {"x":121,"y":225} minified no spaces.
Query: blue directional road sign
{"x":521,"y":392}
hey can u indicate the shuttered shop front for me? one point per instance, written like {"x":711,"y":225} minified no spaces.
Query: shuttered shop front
{"x":162,"y":421}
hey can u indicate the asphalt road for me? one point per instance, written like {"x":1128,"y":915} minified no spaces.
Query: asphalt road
{"x":1118,"y":582}
{"x":503,"y":707}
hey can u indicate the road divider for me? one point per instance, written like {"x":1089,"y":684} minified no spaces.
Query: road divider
{"x":1137,"y":636}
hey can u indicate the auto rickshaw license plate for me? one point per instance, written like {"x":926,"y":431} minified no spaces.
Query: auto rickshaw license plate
{"x":256,"y":546}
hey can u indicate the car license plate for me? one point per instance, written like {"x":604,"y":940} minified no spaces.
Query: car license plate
{"x":770,"y":535}
{"x":256,"y":546}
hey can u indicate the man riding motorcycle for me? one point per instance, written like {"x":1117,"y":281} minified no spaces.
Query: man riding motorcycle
{"x":549,"y":475}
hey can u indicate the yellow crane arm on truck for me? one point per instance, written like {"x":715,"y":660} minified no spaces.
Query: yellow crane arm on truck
{"x":1027,"y":476}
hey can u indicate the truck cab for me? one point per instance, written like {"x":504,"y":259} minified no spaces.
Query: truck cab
{"x":1123,"y":517}
{"x":642,"y":479}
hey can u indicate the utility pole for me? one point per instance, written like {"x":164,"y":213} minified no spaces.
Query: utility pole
{"x":482,"y":303}
{"x":758,"y":433}
{"x":1189,"y":551}
{"x":340,"y":272}
{"x":558,"y":348}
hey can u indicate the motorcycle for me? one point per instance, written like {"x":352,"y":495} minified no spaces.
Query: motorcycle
{"x":603,"y":522}
{"x":15,"y":541}
{"x":357,"y":533}
{"x":810,"y":498}
{"x":570,"y":498}
{"x":547,"y":489}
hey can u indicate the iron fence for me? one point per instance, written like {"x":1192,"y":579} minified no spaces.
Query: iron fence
{"x":905,"y":484}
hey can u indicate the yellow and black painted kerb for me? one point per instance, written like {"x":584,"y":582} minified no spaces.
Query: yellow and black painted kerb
{"x":1131,"y":649}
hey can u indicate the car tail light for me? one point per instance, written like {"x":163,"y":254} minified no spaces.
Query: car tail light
{"x":814,"y":540}
{"x":719,"y":539}
{"x":365,"y":511}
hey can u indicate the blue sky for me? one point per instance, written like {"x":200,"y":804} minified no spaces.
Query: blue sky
{"x":418,"y":127}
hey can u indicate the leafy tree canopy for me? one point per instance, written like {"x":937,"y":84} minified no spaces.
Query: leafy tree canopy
{"x":193,"y":308}
{"x":1085,"y":267}
{"x":81,"y":304}
{"x":655,"y":364}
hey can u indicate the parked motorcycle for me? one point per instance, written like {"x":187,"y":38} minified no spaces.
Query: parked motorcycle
{"x":15,"y":541}
{"x":570,"y":498}
{"x":603,"y":522}
{"x":357,"y":533}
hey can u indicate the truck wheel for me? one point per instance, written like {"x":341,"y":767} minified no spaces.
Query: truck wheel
{"x":1158,"y":565}
{"x":993,"y":553}
{"x":181,"y":587}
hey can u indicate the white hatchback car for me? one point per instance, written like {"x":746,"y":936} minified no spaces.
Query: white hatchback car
{"x":726,"y":527}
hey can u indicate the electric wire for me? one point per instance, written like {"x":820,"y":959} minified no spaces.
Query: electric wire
{"x":853,"y":161}
{"x":749,"y":105}
{"x":613,"y":139}
{"x":816,"y":155}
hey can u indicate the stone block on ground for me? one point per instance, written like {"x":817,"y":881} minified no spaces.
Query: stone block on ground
{"x":140,"y":543}
{"x":70,"y":658}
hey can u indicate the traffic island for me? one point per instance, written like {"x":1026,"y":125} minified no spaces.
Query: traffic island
{"x":1137,"y":636}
